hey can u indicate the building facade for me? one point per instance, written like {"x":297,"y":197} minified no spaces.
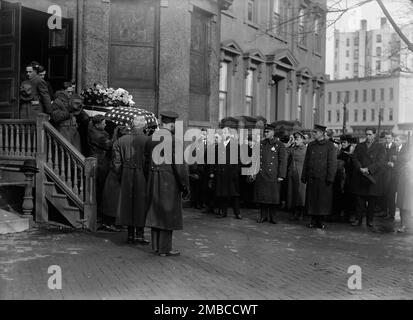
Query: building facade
{"x":273,"y":60}
{"x":366,"y":53}
{"x":165,"y":53}
{"x":367,"y":99}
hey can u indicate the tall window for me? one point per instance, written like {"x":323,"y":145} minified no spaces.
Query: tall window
{"x":329,"y":97}
{"x":356,"y":69}
{"x":275,"y":16}
{"x":378,"y":38}
{"x":223,"y":90}
{"x":356,"y":115}
{"x":364,"y":95}
{"x":378,"y":65}
{"x":391,"y":94}
{"x":373,"y":115}
{"x":364,"y":114}
{"x":317,"y":36}
{"x":382,"y":94}
{"x":301,"y":27}
{"x":348,"y":42}
{"x":373,"y":95}
{"x":356,"y":53}
{"x":249,"y":81}
{"x":347,"y":97}
{"x":356,"y":41}
{"x":356,"y":96}
{"x":252,"y":11}
{"x":338,"y":116}
{"x":391,"y":114}
{"x":378,"y":51}
{"x":338,"y":97}
{"x":329,"y":116}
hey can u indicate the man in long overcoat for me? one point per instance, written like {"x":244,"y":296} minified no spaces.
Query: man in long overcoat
{"x":167,"y":182}
{"x":319,"y":171}
{"x":388,"y":199}
{"x":366,"y":181}
{"x":272,"y":171}
{"x":227,"y":173}
{"x":130,"y":161}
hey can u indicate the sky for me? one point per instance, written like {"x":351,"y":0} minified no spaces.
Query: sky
{"x":350,"y":21}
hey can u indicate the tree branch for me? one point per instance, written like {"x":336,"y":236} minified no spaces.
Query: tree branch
{"x":395,"y":26}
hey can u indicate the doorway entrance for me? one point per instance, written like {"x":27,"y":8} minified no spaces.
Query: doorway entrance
{"x":25,"y":37}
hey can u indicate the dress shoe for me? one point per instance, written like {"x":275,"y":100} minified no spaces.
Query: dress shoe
{"x":238,"y":216}
{"x":356,"y":223}
{"x":261,"y":220}
{"x":172,"y":253}
{"x":369,"y":224}
{"x":141,"y":241}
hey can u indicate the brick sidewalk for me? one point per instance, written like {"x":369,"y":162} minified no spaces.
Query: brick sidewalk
{"x":221,"y":259}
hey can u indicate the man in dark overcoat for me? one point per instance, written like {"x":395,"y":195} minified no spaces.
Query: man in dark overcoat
{"x":319,"y":170}
{"x":388,"y":199}
{"x":130,"y":162}
{"x":167,"y":182}
{"x":366,"y":181}
{"x":272,"y":171}
{"x":227,"y":174}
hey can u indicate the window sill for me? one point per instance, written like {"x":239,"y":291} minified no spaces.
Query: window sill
{"x":316,"y":53}
{"x":275,"y":36}
{"x":252,"y":24}
{"x":302,"y":47}
{"x":229,"y":14}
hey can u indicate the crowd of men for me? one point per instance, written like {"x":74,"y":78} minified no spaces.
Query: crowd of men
{"x":327,"y":179}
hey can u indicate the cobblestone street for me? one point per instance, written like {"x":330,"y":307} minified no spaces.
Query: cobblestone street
{"x":221,"y":259}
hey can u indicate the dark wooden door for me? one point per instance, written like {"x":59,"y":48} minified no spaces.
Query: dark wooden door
{"x":59,"y":54}
{"x":10,"y":25}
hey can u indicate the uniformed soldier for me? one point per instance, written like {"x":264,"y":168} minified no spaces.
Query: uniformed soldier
{"x":319,"y":171}
{"x":273,"y":170}
{"x":166,"y":184}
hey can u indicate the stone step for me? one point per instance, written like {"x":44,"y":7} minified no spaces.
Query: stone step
{"x":11,"y":223}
